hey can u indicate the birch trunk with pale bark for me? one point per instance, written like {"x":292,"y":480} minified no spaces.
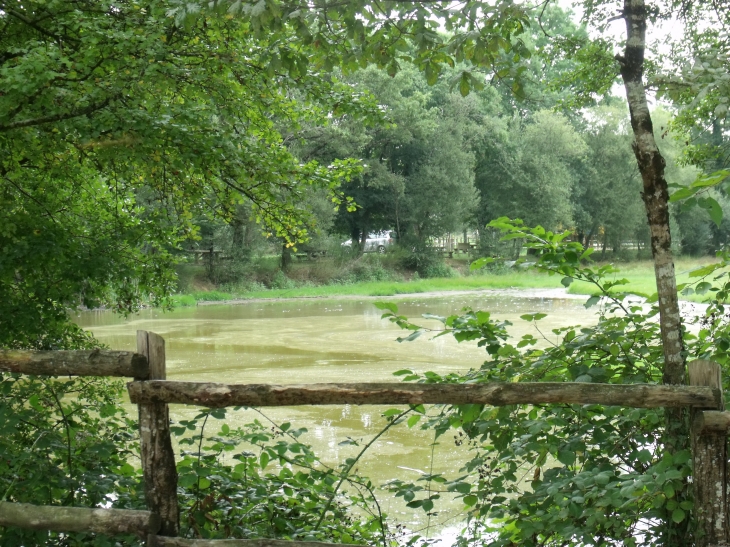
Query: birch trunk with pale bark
{"x":655,"y":194}
{"x":656,"y":199}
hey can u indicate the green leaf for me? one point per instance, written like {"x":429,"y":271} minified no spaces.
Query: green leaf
{"x":464,"y":85}
{"x":391,"y":412}
{"x":187,"y":480}
{"x":480,"y":263}
{"x":127,"y":470}
{"x":469,"y":413}
{"x":533,"y":316}
{"x":566,"y":281}
{"x":592,"y":301}
{"x":413,"y":420}
{"x":705,"y":270}
{"x":461,"y":487}
{"x":470,"y":500}
{"x":264,"y":460}
{"x":713,"y":209}
{"x":682,"y":194}
{"x":411,"y":337}
{"x":713,"y":179}
{"x":566,"y":457}
{"x":34,"y":402}
{"x":678,"y":515}
{"x":386,"y":306}
{"x":432,"y":316}
{"x":703,"y":287}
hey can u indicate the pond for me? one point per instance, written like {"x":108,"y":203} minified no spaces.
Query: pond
{"x":337,"y":340}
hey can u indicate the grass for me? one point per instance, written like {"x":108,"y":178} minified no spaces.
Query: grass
{"x":641,"y":278}
{"x":384,"y":288}
{"x":640,"y":275}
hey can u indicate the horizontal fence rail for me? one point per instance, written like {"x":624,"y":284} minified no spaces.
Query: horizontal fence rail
{"x":79,"y":519}
{"x":162,"y":541}
{"x":95,"y":362}
{"x":712,"y":422}
{"x":494,"y":394}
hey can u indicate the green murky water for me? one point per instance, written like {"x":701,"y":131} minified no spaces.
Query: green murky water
{"x":326,"y":340}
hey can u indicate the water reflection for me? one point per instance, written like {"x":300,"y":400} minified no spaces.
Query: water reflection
{"x":322,"y":340}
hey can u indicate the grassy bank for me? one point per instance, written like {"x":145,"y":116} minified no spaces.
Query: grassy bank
{"x":382,"y":288}
{"x":641,"y":278}
{"x":640,"y":275}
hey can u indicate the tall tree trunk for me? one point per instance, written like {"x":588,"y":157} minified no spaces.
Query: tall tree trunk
{"x":363,"y":240}
{"x":589,"y":237}
{"x":655,"y":195}
{"x":656,"y":199}
{"x":286,"y":258}
{"x":237,"y":228}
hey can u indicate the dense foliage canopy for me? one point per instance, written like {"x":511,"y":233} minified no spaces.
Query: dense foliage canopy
{"x":116,"y":125}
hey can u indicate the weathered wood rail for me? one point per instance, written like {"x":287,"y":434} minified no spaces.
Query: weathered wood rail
{"x":95,"y":362}
{"x":494,"y":394}
{"x":162,"y":541}
{"x":150,"y":390}
{"x":79,"y":519}
{"x":712,"y":421}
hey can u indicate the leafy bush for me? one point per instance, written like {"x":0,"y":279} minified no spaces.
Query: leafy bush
{"x":439,"y":269}
{"x":572,"y":474}
{"x":233,"y":270}
{"x":423,"y":260}
{"x":183,"y":300}
{"x":417,"y":258}
{"x":69,"y":442}
{"x":254,"y":482}
{"x":281,"y":281}
{"x":368,"y":267}
{"x":499,"y":267}
{"x":63,"y":442}
{"x":212,"y":295}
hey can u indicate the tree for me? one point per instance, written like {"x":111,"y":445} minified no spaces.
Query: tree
{"x":428,"y":149}
{"x":607,"y":196}
{"x":439,"y":194}
{"x":537,"y":166}
{"x":418,"y":168}
{"x":699,"y":230}
{"x":115,"y":124}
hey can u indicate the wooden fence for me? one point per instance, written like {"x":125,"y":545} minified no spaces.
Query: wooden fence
{"x":151,"y":391}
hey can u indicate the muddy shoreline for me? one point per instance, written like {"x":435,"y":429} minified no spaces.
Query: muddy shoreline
{"x":533,"y":293}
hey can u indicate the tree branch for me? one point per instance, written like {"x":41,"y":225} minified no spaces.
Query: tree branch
{"x":56,"y":117}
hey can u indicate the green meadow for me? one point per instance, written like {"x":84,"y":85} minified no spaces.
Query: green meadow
{"x":640,"y":276}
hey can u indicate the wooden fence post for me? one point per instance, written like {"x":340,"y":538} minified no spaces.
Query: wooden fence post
{"x":709,"y":458}
{"x":158,"y":459}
